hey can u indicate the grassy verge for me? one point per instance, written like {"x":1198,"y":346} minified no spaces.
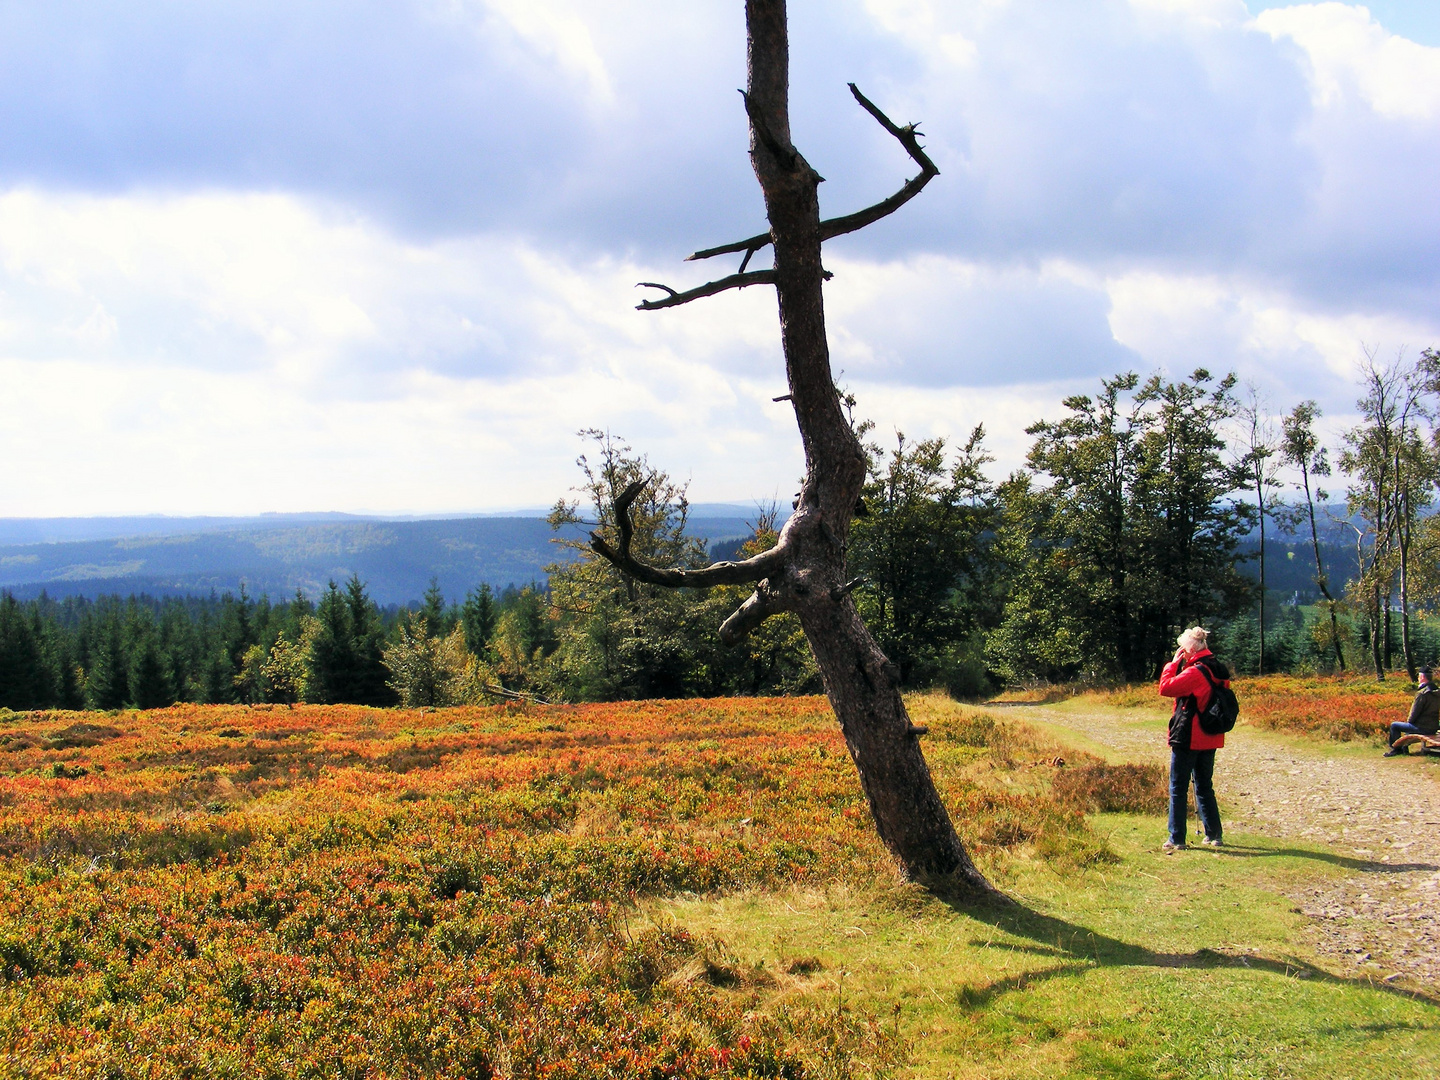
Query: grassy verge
{"x":1151,"y":967}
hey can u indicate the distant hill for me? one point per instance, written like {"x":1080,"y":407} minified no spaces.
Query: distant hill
{"x":278,"y":554}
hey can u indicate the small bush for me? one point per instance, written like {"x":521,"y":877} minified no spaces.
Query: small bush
{"x":1113,"y":789}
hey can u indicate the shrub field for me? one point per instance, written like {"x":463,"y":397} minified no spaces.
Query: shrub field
{"x":1336,"y":707}
{"x":657,"y":889}
{"x":340,"y":891}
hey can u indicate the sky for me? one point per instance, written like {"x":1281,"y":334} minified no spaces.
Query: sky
{"x":380,"y":255}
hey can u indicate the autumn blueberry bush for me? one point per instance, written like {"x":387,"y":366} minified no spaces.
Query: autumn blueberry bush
{"x":343,"y":891}
{"x":1338,"y":707}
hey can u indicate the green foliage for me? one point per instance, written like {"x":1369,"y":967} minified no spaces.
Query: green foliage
{"x":27,"y":678}
{"x":924,"y":549}
{"x":1131,"y":538}
{"x":149,"y":681}
{"x":432,"y":671}
{"x":478,"y":616}
{"x":345,"y":662}
{"x":618,"y":639}
{"x":108,"y":685}
{"x":283,"y":673}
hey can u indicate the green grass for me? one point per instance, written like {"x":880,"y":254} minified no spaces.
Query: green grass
{"x":1183,"y":966}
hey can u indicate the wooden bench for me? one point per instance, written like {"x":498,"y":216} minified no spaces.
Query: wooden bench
{"x":1429,"y":744}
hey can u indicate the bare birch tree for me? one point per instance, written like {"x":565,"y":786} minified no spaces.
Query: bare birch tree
{"x":1302,"y":450}
{"x":1258,"y":451}
{"x":1394,"y":472}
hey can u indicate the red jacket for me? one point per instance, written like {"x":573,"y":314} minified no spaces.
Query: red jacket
{"x":1183,"y":680}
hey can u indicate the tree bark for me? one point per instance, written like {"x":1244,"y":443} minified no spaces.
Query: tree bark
{"x":1260,"y":505}
{"x":859,"y":681}
{"x":805,"y":572}
{"x":1320,"y":577}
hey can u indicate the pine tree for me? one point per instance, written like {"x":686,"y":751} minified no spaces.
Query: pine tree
{"x":478,"y":617}
{"x":25,"y":681}
{"x":149,"y":681}
{"x":331,"y":661}
{"x":346,"y":658}
{"x":438,"y":621}
{"x":371,"y":686}
{"x":107,"y":685}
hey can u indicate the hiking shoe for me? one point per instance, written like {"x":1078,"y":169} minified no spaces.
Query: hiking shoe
{"x":1212,"y":843}
{"x":1396,"y":752}
{"x":1169,"y":847}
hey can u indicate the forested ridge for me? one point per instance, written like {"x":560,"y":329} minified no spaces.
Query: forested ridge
{"x":1144,"y":507}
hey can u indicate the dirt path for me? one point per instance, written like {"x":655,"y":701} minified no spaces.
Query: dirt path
{"x":1382,"y":813}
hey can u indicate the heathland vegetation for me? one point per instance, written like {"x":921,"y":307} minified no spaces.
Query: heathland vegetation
{"x":676,"y":889}
{"x":1143,"y":507}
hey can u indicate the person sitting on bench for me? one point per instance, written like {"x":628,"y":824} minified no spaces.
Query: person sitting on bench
{"x":1424,"y":715}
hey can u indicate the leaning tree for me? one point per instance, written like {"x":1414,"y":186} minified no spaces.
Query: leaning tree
{"x":805,"y":571}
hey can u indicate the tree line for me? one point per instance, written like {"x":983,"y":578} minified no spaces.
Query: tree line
{"x":143,"y":652}
{"x":1130,"y":519}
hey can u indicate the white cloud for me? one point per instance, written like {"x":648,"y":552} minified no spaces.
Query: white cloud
{"x":268,"y":257}
{"x":1350,"y":53}
{"x":1291,"y":349}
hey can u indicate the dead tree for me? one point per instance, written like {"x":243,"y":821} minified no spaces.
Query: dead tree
{"x":805,"y":572}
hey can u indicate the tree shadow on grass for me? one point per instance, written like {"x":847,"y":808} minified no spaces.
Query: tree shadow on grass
{"x":1078,"y":949}
{"x":1363,"y":866}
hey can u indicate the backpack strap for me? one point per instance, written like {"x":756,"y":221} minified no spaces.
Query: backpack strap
{"x":1209,"y":674}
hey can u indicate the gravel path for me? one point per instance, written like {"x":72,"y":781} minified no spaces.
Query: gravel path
{"x":1382,"y":815}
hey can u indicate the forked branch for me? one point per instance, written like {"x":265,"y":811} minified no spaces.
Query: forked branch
{"x":723,"y":573}
{"x":909,"y":138}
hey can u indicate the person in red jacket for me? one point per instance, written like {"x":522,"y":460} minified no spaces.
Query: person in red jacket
{"x":1192,"y":751}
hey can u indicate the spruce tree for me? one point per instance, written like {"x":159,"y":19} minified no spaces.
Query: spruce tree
{"x":478,"y":617}
{"x":23,"y":672}
{"x":107,"y":685}
{"x":331,"y":663}
{"x":438,"y":622}
{"x":371,"y":676}
{"x":149,"y":680}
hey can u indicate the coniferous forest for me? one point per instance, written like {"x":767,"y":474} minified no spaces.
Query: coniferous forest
{"x":1144,"y":507}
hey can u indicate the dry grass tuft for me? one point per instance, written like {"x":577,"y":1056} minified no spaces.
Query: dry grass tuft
{"x":1114,"y":789}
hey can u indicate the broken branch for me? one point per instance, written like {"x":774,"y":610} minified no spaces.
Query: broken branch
{"x":734,"y":281}
{"x":722,"y":573}
{"x":909,"y":139}
{"x":761,"y":604}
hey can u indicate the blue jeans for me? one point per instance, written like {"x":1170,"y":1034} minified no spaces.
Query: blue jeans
{"x":1200,"y":764}
{"x":1400,"y":727}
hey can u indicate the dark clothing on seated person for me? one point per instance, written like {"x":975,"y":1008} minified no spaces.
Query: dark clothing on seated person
{"x":1425,"y":712}
{"x":1424,"y":715}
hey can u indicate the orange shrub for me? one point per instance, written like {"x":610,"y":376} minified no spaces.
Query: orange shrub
{"x":1341,"y":707}
{"x":1127,"y":789}
{"x":344,"y":891}
{"x":1336,"y":707}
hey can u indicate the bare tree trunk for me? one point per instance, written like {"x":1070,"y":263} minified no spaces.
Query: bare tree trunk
{"x":1375,"y":630}
{"x":1320,"y":577}
{"x":1260,"y":499}
{"x":1404,"y":543}
{"x":805,"y":572}
{"x":1389,"y":634}
{"x":859,"y":680}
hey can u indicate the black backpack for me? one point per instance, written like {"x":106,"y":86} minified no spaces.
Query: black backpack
{"x":1224,"y":708}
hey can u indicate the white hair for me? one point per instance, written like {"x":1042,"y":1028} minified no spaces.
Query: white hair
{"x":1194,"y":639}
